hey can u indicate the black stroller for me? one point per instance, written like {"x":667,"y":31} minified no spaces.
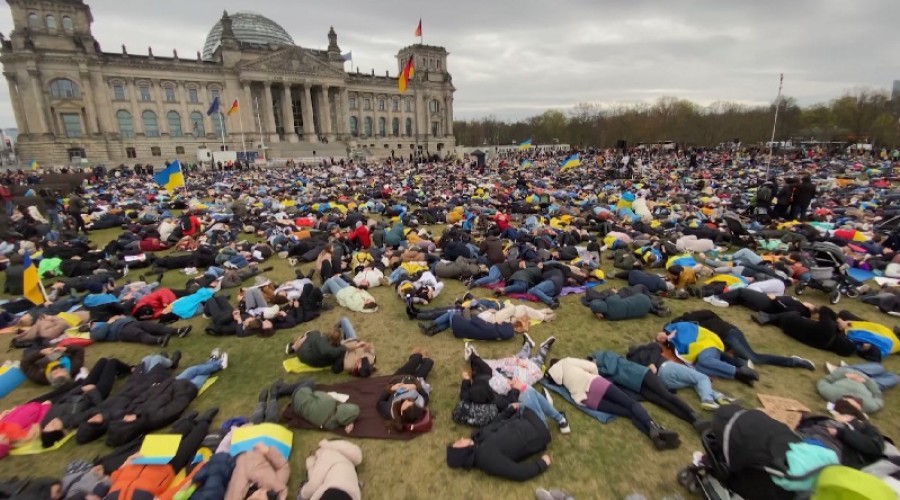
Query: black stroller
{"x":740,"y":235}
{"x":828,"y":272}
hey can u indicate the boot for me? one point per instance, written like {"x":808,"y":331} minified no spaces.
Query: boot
{"x":746,"y":375}
{"x":272,"y":406}
{"x":175,"y":358}
{"x":428,"y":329}
{"x":208,"y":415}
{"x":761,"y":318}
{"x":259,"y":413}
{"x":663,"y":439}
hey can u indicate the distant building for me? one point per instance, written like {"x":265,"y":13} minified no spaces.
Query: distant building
{"x":895,"y":94}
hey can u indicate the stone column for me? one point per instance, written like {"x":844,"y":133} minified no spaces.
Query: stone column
{"x":37,"y":92}
{"x":448,"y":112}
{"x":309,"y":123}
{"x":287,"y":114}
{"x":389,"y":126}
{"x":249,"y":119}
{"x":325,"y":113}
{"x":342,"y":104}
{"x":16,"y":99}
{"x":159,"y":96}
{"x":103,"y":101}
{"x":182,"y":95}
{"x":90,"y":110}
{"x":268,"y":106}
{"x":137,"y":122}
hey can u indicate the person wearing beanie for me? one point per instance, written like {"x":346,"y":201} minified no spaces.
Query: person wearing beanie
{"x":331,"y":472}
{"x":54,"y":366}
{"x":505,"y":447}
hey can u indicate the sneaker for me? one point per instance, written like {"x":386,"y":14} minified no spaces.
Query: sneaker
{"x":844,"y":364}
{"x":805,"y":363}
{"x":715,"y":301}
{"x":467,"y":351}
{"x":289,"y":348}
{"x":293,"y":262}
{"x":549,"y":342}
{"x":125,"y":271}
{"x":223,"y":360}
{"x":724,"y":400}
{"x":183,"y":331}
{"x":750,"y":365}
{"x":830,"y":367}
{"x":214,"y":354}
{"x":710,"y":405}
{"x":564,"y":424}
{"x":528,"y":340}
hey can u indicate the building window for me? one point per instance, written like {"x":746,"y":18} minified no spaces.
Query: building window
{"x":354,"y":126}
{"x":151,"y":127}
{"x":197,"y":124}
{"x":126,"y":126}
{"x":367,"y":126}
{"x":352,"y":102}
{"x":409,"y":127}
{"x":67,"y":24}
{"x":130,"y":153}
{"x":72,"y":124}
{"x":409,"y":106}
{"x":218,"y":125}
{"x":118,"y":92}
{"x":64,"y":89}
{"x":367,"y":104}
{"x":156,"y":151}
{"x":51,"y":21}
{"x":382,"y":126}
{"x":395,"y":104}
{"x":193,"y":96}
{"x":170,"y":94}
{"x":174,"y":120}
{"x":179,"y":150}
{"x":381,"y":105}
{"x":435,"y":128}
{"x":395,"y":127}
{"x":34,"y":21}
{"x":434,"y":106}
{"x":145,"y":93}
{"x":213,"y":94}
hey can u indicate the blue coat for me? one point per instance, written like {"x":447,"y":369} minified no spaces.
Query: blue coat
{"x":186,"y":307}
{"x":476,"y":328}
{"x":212,"y":480}
{"x":621,"y":371}
{"x":652,"y":281}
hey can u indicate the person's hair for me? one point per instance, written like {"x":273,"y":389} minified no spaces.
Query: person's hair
{"x":370,"y":305}
{"x":336,"y":335}
{"x":520,"y":325}
{"x":405,"y":417}
{"x":254,"y":325}
{"x":279,"y":299}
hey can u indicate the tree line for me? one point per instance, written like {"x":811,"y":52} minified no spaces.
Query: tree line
{"x":862,"y":115}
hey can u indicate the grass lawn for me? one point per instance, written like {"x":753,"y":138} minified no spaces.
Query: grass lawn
{"x":595,"y":461}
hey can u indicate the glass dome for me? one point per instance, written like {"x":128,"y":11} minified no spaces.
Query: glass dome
{"x":250,"y":28}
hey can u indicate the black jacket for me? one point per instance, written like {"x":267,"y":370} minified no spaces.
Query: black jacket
{"x":804,"y":194}
{"x":709,"y":320}
{"x":755,"y":439}
{"x":504,"y":446}
{"x":646,"y":354}
{"x":155,"y":408}
{"x":34,"y":364}
{"x":860,"y":442}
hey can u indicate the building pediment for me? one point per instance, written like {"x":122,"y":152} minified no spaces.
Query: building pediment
{"x":293,"y":61}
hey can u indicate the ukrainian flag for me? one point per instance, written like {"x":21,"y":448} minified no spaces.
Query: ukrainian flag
{"x":527,"y":164}
{"x":34,"y":165}
{"x":571,"y":162}
{"x":31,"y":283}
{"x":525,"y":144}
{"x":170,"y":178}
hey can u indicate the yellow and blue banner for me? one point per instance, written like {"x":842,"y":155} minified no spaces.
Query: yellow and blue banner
{"x":527,"y":163}
{"x":31,"y":282}
{"x":34,"y":165}
{"x":246,"y":437}
{"x":571,"y":162}
{"x":525,"y":144}
{"x":171,"y":177}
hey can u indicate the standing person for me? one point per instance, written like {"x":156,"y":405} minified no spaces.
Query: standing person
{"x":803,"y":196}
{"x":6,"y":198}
{"x":74,"y":209}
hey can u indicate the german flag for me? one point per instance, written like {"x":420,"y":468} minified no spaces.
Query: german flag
{"x":408,"y":72}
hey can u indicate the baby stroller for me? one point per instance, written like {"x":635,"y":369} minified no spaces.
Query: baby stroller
{"x":740,"y":235}
{"x":828,"y":272}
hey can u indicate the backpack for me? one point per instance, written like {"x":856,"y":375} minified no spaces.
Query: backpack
{"x":474,"y":414}
{"x":764,"y":195}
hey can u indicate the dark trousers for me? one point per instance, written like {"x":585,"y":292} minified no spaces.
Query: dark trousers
{"x":616,"y":402}
{"x":735,"y":340}
{"x":751,"y":299}
{"x":654,"y":391}
{"x":145,"y":332}
{"x":417,"y":366}
{"x":79,"y":222}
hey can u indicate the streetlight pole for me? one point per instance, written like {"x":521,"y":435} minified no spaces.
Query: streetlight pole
{"x":774,"y":124}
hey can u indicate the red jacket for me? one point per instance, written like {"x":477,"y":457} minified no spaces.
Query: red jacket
{"x":140,"y":482}
{"x":157,"y":300}
{"x":152,"y":245}
{"x":361,"y":234}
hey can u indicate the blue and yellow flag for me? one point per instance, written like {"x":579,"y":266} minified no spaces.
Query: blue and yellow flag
{"x":571,"y":162}
{"x":527,"y":163}
{"x":525,"y":144}
{"x":34,"y":165}
{"x":31,"y":282}
{"x":171,"y":177}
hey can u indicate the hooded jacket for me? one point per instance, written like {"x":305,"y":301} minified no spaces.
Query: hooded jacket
{"x":836,"y":385}
{"x":621,"y":371}
{"x":212,"y":480}
{"x":616,"y":308}
{"x":36,"y":366}
{"x":109,"y":332}
{"x":503,"y":447}
{"x":575,"y":375}
{"x":332,"y":466}
{"x":269,"y":471}
{"x":157,"y":300}
{"x":317,"y":351}
{"x":322,"y":410}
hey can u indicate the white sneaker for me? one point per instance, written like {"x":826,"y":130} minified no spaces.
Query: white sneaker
{"x":215,"y":353}
{"x":750,"y":365}
{"x":82,"y":374}
{"x":529,"y":340}
{"x":468,"y":350}
{"x":709,"y":405}
{"x":808,"y":364}
{"x":715,"y":301}
{"x":830,"y":367}
{"x":844,"y":364}
{"x":223,"y":360}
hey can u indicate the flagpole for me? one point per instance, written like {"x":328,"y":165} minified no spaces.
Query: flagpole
{"x":241,"y":121}
{"x":774,"y":124}
{"x":222,"y":117}
{"x":41,"y":286}
{"x":262,"y":140}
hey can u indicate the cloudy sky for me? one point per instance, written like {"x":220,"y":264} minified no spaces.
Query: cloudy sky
{"x":516,"y":59}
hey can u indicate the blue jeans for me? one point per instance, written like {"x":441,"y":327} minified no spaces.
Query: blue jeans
{"x":216,"y":272}
{"x":747,"y":256}
{"x":333,"y":285}
{"x":443,"y":321}
{"x":534,"y":401}
{"x":709,"y":361}
{"x":347,"y":328}
{"x":545,"y":290}
{"x":149,"y":362}
{"x":879,"y":374}
{"x":516,"y":286}
{"x":396,"y":275}
{"x":198,"y":374}
{"x":677,"y":376}
{"x":493,"y":276}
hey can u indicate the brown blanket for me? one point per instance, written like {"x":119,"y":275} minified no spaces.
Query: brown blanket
{"x":363,"y":392}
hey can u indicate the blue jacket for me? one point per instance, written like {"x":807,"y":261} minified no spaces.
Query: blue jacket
{"x":186,"y":307}
{"x":476,"y":328}
{"x":619,"y":370}
{"x":109,"y":332}
{"x":212,"y":480}
{"x":99,"y":299}
{"x":652,"y":281}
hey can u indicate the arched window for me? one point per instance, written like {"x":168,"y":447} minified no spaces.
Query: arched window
{"x":367,"y":127}
{"x":382,"y":126}
{"x":197,"y":127}
{"x":67,"y":23}
{"x":434,"y":106}
{"x":64,"y":89}
{"x":218,"y":124}
{"x":174,"y":120}
{"x":151,"y":127}
{"x":34,"y":21}
{"x":51,"y":21}
{"x":126,"y":127}
{"x":409,"y":127}
{"x":354,"y":126}
{"x":409,"y":105}
{"x":395,"y":127}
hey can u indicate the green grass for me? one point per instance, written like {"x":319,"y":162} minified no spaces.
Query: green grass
{"x":595,"y":461}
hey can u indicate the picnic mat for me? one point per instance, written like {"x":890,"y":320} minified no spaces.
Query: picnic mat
{"x":562,"y":391}
{"x":860,"y":274}
{"x":10,"y":378}
{"x":34,"y":446}
{"x":363,"y":392}
{"x":294,"y":365}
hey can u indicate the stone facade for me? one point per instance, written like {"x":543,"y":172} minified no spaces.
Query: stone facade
{"x":72,"y":99}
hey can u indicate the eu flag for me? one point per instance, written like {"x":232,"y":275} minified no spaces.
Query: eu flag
{"x":214,"y":107}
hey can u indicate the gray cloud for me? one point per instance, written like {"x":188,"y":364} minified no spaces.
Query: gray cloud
{"x":515,"y":59}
